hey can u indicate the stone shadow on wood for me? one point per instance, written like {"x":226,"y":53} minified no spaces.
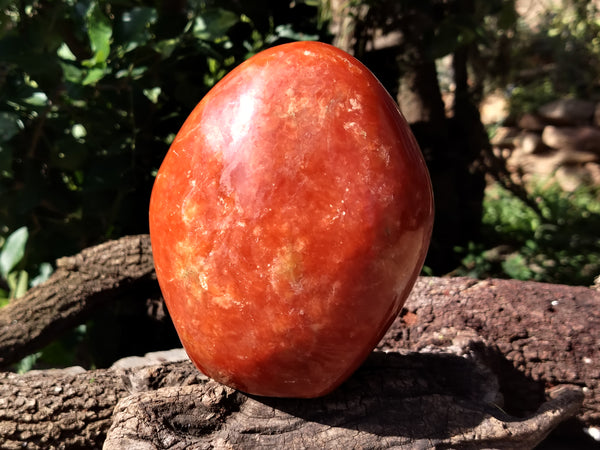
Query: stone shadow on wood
{"x":395,"y":400}
{"x":416,"y":395}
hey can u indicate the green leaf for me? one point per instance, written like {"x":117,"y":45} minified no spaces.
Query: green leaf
{"x":132,"y":30}
{"x":72,"y":73}
{"x":152,"y":94}
{"x":44,"y":273}
{"x":99,"y":32}
{"x":10,"y":125}
{"x":18,"y":282}
{"x":214,"y":23}
{"x":134,"y":73}
{"x":287,"y":32}
{"x":38,"y":98}
{"x":78,"y":131}
{"x":166,"y":47}
{"x":516,"y":267}
{"x":93,"y":75}
{"x":65,"y":53}
{"x":13,"y":250}
{"x":27,"y":363}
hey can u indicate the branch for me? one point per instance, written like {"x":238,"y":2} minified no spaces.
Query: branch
{"x":80,"y":283}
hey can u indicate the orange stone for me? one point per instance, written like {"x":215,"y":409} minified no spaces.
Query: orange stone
{"x":289,"y":221}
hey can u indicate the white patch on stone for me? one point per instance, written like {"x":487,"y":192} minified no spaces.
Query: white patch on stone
{"x":354,"y":104}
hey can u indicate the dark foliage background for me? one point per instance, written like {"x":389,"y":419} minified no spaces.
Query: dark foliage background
{"x":92,"y":92}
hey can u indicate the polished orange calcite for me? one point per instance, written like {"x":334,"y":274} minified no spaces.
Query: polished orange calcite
{"x":289,"y":221}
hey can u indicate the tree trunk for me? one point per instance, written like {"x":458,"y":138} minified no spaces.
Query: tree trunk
{"x":453,"y":147}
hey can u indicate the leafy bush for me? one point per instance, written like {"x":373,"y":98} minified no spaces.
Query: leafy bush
{"x":93,"y":92}
{"x":531,"y":95}
{"x":559,"y":57}
{"x":562,"y":246}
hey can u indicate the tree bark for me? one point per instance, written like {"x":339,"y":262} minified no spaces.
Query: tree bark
{"x":73,"y":408}
{"x":398,"y":42}
{"x":57,"y":409}
{"x":518,"y":342}
{"x":540,"y":335}
{"x":80,"y":284}
{"x":394,"y":400}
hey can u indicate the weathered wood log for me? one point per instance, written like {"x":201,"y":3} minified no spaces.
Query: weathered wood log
{"x":550,"y":334}
{"x":52,"y":410}
{"x":532,"y":336}
{"x":73,"y":408}
{"x":543,"y":335}
{"x":80,"y":284}
{"x":406,"y":400}
{"x":416,"y":400}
